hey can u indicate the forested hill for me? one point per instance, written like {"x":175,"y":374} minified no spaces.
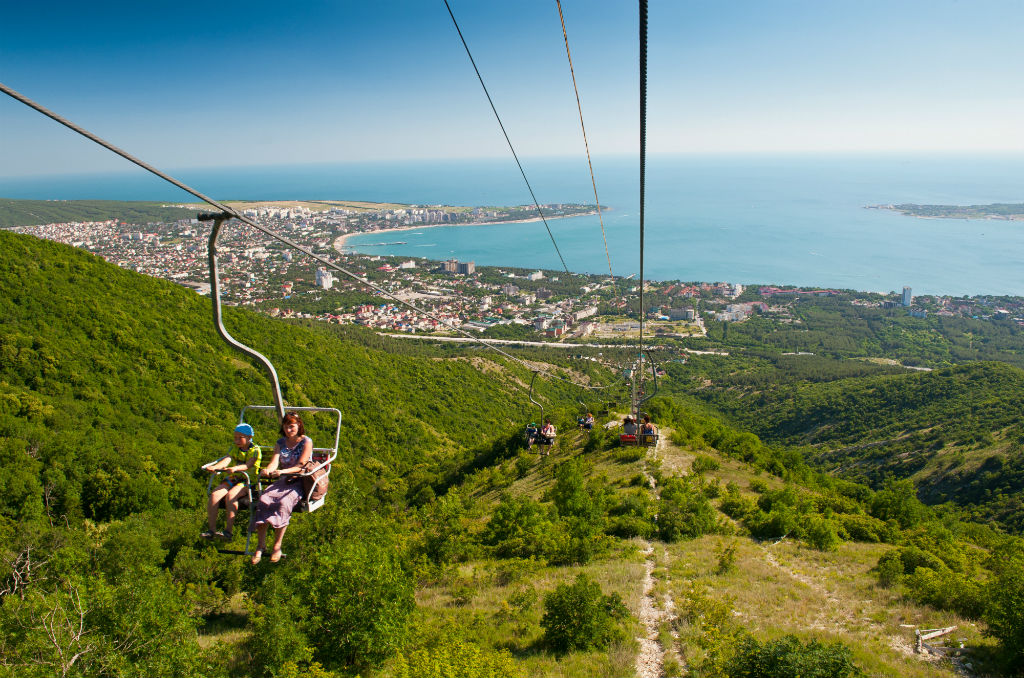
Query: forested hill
{"x":956,"y":431}
{"x":114,"y":388}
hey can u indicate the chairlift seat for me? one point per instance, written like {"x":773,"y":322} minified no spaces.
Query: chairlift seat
{"x":322,"y":456}
{"x":627,"y":439}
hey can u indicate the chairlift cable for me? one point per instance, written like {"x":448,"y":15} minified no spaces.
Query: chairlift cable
{"x":231,"y":212}
{"x":536,"y":204}
{"x":593,"y":181}
{"x":643,"y":158}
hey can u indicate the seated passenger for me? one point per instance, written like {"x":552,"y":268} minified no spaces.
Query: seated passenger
{"x":277,"y":502}
{"x":648,"y":427}
{"x":247,"y":457}
{"x":531,"y":435}
{"x":548,"y":432}
{"x":588,"y":422}
{"x":629,"y":427}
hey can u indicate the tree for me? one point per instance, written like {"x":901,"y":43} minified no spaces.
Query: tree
{"x":359,"y":597}
{"x":580,"y":616}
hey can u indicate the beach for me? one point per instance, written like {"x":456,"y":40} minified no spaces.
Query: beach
{"x":340,"y":246}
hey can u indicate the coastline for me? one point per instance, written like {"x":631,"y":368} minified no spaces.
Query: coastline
{"x":340,"y":246}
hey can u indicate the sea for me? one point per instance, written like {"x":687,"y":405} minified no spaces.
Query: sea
{"x":750,"y":219}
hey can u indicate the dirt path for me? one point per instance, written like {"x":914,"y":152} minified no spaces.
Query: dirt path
{"x":650,"y":662}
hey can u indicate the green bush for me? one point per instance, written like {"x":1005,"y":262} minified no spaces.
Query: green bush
{"x":359,"y":598}
{"x":866,"y":528}
{"x":737,"y":506}
{"x":455,"y":658}
{"x":782,"y":521}
{"x":684,"y":512}
{"x":822,"y":534}
{"x":519,"y":528}
{"x":581,"y":617}
{"x":898,"y":501}
{"x":703,"y":463}
{"x":787,"y":657}
{"x":1005,"y":609}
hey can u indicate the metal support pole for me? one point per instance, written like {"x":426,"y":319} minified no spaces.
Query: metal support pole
{"x":218,"y":320}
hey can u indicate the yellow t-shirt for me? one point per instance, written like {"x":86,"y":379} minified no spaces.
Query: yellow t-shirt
{"x":241,"y":457}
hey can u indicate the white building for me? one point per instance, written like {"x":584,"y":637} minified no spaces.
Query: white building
{"x":324,"y":278}
{"x":908,"y":298}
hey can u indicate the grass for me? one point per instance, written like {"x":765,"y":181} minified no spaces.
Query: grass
{"x":505,"y":615}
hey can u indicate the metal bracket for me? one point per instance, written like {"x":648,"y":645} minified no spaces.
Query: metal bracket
{"x":218,"y":220}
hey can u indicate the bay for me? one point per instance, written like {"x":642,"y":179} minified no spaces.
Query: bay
{"x":773,"y":219}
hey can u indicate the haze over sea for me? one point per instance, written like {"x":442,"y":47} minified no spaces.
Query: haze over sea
{"x":775,"y":219}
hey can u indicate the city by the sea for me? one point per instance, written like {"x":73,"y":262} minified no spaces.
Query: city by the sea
{"x":773,"y":219}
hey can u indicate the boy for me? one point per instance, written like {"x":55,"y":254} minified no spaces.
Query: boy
{"x":247,"y":457}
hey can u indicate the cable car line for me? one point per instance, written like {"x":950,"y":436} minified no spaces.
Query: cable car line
{"x":586,"y":145}
{"x":540,"y":212}
{"x":232,"y":213}
{"x":643,"y":157}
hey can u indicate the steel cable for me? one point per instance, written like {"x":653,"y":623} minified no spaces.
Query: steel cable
{"x":586,"y":145}
{"x":540,"y":212}
{"x":643,"y":158}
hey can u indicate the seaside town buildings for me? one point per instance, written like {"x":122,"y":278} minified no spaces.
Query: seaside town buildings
{"x":263,"y":274}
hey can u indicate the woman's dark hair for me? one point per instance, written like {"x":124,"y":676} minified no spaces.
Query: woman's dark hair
{"x":292,"y":417}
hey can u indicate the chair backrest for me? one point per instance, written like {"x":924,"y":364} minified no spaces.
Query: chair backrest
{"x":321,"y":455}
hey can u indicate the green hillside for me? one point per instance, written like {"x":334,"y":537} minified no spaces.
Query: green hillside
{"x":956,"y":431}
{"x":445,"y":548}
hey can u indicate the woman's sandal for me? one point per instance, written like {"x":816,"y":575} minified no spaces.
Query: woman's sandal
{"x":276,"y":556}
{"x":255,"y":560}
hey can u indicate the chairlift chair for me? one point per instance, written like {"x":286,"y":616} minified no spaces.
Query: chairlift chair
{"x":322,"y":457}
{"x":538,"y":440}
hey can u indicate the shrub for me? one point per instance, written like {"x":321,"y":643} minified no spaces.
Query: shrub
{"x":898,"y":501}
{"x":627,"y":527}
{"x":822,"y":535}
{"x":712,"y":490}
{"x":359,"y":599}
{"x":726,"y":559}
{"x":890,"y":568}
{"x":703,"y":463}
{"x":519,"y":528}
{"x":455,"y":658}
{"x":946,"y":590}
{"x":865,"y":528}
{"x":782,"y":521}
{"x":581,"y":617}
{"x":571,"y":495}
{"x":737,"y":506}
{"x":1005,"y":610}
{"x":787,"y":657}
{"x":684,"y":513}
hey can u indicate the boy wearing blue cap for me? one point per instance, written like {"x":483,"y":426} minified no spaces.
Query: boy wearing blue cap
{"x":247,"y":456}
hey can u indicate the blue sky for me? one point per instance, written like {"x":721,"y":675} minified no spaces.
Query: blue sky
{"x":187,"y":84}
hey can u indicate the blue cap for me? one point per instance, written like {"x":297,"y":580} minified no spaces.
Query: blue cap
{"x":244,"y":429}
